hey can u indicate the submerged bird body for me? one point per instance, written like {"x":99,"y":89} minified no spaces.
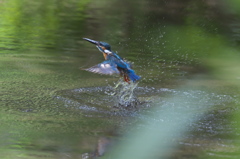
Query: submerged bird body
{"x":113,"y":63}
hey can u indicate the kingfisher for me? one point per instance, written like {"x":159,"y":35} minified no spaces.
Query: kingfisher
{"x":113,"y":63}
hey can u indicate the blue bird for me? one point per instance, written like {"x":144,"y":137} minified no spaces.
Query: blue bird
{"x":113,"y":63}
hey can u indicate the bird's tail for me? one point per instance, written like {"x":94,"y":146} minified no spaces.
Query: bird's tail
{"x":133,"y":76}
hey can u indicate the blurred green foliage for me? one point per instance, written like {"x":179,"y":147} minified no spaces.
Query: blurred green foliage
{"x":233,"y":6}
{"x":39,"y":24}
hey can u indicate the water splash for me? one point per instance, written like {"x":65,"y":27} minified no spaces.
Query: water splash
{"x":124,"y":94}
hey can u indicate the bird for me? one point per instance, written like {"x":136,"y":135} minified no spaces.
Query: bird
{"x":113,"y":63}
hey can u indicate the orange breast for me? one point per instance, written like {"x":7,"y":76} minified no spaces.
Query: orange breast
{"x":105,"y":56}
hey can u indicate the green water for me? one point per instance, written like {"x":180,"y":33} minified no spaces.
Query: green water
{"x":44,"y":113}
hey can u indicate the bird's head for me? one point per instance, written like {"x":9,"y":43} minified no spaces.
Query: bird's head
{"x":102,"y":46}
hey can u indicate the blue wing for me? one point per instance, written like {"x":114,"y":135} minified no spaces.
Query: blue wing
{"x":106,"y":67}
{"x":119,"y":61}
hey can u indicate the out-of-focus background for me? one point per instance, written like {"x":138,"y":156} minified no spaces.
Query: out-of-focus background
{"x":50,"y":108}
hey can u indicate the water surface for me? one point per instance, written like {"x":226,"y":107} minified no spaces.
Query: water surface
{"x":51,"y":108}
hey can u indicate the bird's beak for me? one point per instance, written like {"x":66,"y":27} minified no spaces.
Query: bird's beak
{"x":97,"y":43}
{"x":92,"y":41}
